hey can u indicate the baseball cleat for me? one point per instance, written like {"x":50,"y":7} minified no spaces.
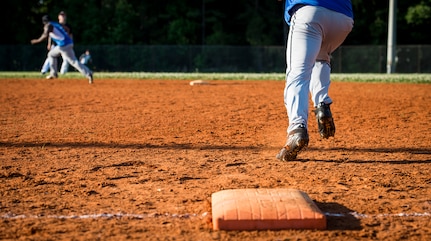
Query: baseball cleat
{"x":296,"y":141}
{"x":90,"y":78}
{"x":51,"y":77}
{"x":325,"y":122}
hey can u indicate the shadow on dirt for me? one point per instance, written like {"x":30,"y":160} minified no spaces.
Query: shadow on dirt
{"x":376,"y":150}
{"x":180,"y":146}
{"x":339,"y":217}
{"x":395,"y":162}
{"x":198,"y":146}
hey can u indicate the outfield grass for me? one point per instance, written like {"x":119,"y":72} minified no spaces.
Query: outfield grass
{"x":390,"y":78}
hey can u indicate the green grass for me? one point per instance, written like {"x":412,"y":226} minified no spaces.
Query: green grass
{"x":384,"y":78}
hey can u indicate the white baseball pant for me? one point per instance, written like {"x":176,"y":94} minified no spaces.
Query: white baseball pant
{"x":68,"y":54}
{"x":315,"y":32}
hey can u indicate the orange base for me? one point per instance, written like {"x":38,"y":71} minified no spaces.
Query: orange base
{"x":265,"y":209}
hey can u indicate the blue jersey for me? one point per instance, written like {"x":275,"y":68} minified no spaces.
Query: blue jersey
{"x":341,"y":6}
{"x":59,"y":35}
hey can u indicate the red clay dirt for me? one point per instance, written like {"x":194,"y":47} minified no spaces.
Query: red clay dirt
{"x":139,"y":159}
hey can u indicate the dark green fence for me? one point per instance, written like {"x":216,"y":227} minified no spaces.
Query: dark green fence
{"x":265,"y":59}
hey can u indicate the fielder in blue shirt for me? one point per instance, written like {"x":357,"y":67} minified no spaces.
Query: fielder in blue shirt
{"x":64,"y":48}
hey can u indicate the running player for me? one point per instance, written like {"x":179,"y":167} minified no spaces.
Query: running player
{"x":317,"y":28}
{"x":62,"y":19}
{"x":65,"y":48}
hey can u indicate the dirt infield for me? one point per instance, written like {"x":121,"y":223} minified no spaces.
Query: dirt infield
{"x":139,"y":159}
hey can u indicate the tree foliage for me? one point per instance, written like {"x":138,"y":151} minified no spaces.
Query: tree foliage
{"x":192,"y":22}
{"x":419,"y":14}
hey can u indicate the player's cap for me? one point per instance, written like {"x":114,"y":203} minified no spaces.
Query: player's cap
{"x":45,"y":18}
{"x":62,"y":13}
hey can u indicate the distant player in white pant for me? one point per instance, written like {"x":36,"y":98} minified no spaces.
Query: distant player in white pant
{"x":317,"y":28}
{"x":64,"y":48}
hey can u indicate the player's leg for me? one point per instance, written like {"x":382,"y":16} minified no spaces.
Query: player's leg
{"x":336,"y":27}
{"x":45,"y":66}
{"x":303,"y":45}
{"x":53,"y":55}
{"x":320,"y":81}
{"x":319,"y":86}
{"x":68,"y":54}
{"x":64,"y":67}
{"x":302,"y":48}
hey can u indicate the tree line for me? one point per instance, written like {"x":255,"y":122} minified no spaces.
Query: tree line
{"x":200,"y":22}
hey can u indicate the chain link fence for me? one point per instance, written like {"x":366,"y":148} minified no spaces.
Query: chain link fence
{"x":223,"y":59}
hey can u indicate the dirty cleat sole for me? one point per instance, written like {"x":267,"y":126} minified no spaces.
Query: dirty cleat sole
{"x":297,"y":140}
{"x":325,"y":122}
{"x":326,"y":127}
